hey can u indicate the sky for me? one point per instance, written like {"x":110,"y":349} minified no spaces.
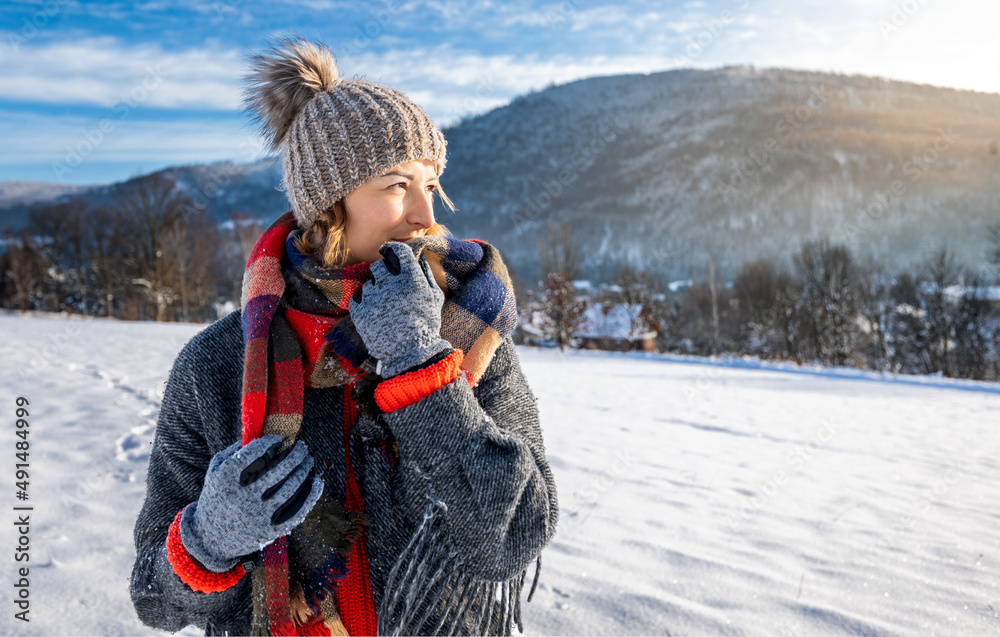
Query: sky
{"x":97,"y":92}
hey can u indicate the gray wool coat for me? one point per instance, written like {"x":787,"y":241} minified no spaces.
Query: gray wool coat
{"x":472,"y":482}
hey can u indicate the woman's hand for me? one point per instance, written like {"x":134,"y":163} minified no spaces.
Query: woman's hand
{"x":398,"y":312}
{"x":252,"y":496}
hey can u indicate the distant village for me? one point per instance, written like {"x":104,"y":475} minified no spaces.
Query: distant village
{"x":829,"y":309}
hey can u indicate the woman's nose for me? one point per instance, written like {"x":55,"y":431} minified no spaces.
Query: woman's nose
{"x":420,"y":210}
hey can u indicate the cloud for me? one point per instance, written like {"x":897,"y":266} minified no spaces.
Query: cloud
{"x":70,"y":141}
{"x":450,"y":84}
{"x":104,"y":71}
{"x":179,"y":85}
{"x":953,"y":45}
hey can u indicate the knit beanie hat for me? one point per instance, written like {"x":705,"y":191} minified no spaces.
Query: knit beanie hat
{"x":334,"y":134}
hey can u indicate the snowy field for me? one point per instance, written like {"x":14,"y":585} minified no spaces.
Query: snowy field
{"x":698,"y":497}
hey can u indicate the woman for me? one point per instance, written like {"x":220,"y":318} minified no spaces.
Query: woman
{"x":356,"y":450}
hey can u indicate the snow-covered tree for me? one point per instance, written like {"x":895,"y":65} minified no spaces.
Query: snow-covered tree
{"x":827,"y":272}
{"x":562,"y":308}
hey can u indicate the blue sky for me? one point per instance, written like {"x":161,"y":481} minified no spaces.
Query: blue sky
{"x":95,"y":92}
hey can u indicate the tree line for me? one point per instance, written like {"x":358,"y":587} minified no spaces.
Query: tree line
{"x":152,"y":254}
{"x":149,"y":254}
{"x":829,"y":308}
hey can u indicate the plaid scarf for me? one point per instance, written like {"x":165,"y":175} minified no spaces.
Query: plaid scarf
{"x":297,"y":333}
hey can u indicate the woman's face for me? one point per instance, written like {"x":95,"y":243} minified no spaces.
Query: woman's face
{"x":395,"y":206}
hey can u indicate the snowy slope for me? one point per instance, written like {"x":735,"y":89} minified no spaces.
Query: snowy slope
{"x":697,"y":497}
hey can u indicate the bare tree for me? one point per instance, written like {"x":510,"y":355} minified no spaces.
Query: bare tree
{"x":907,"y":333}
{"x":693,"y":320}
{"x":243,"y":231}
{"x":762,"y":300}
{"x":993,"y":251}
{"x":977,"y":327}
{"x":827,"y":275}
{"x":60,"y":232}
{"x":151,"y":209}
{"x":560,"y":260}
{"x":636,"y":289}
{"x":715,"y":306}
{"x":941,"y":271}
{"x":558,"y":252}
{"x":194,"y":266}
{"x":873,"y":303}
{"x":107,"y":257}
{"x":23,"y":269}
{"x":562,"y":307}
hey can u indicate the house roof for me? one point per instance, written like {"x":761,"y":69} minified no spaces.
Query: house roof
{"x":619,"y":321}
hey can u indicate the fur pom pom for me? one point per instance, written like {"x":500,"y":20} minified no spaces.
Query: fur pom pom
{"x":283,"y":80}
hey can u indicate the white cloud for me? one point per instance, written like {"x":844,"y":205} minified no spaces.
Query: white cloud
{"x":105,"y":72}
{"x":544,"y":17}
{"x":67,"y":141}
{"x":449,"y":84}
{"x":617,"y":16}
{"x":102,"y":71}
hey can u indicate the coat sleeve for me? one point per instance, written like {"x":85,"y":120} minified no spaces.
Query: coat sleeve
{"x":177,"y":465}
{"x":480,"y":452}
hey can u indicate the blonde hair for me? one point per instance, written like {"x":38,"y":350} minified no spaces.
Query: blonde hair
{"x":326,"y":239}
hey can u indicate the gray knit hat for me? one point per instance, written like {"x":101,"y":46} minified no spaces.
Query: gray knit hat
{"x":334,"y":134}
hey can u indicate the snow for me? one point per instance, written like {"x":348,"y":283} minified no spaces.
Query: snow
{"x":697,"y":496}
{"x":985,"y":292}
{"x":673,"y":286}
{"x":618,"y":321}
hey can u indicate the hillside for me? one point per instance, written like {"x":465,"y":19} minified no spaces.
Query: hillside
{"x":669,"y":169}
{"x":732,"y":164}
{"x":18,"y":195}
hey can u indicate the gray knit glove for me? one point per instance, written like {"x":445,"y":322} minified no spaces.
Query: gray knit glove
{"x":398,"y":312}
{"x":252,"y":496}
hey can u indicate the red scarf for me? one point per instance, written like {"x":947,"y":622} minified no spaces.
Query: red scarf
{"x":298,"y":333}
{"x":272,"y":403}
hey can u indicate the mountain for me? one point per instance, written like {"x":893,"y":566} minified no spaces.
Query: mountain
{"x":220,"y":188}
{"x":668,"y":170}
{"x":17,"y":196}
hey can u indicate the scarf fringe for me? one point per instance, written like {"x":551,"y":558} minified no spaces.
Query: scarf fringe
{"x":429,"y":578}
